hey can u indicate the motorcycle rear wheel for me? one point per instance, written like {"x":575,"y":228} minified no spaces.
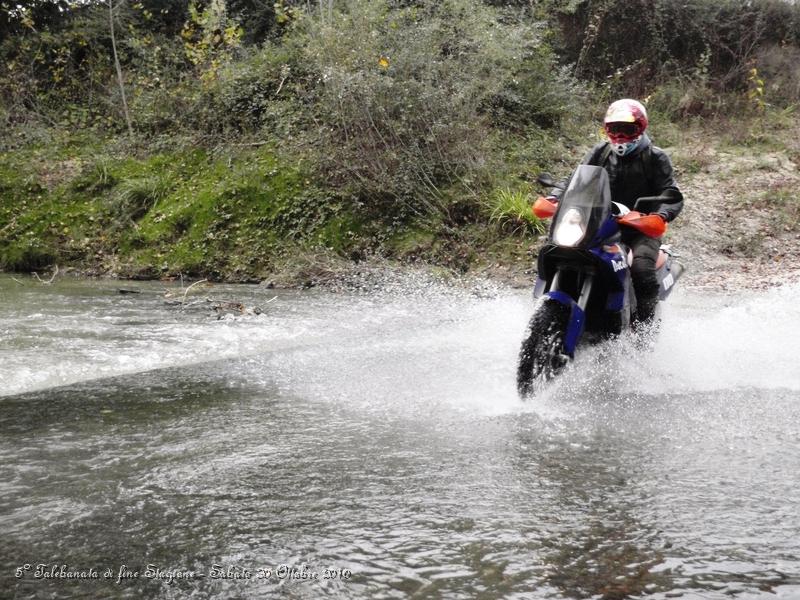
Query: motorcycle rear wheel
{"x":542,"y":354}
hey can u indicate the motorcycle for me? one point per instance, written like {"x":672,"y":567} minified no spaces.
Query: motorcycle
{"x":584,"y":283}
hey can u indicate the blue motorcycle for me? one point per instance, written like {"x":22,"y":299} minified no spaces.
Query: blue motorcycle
{"x":584,"y":283}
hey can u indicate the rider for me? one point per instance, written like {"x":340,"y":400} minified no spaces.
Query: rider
{"x":636,"y":168}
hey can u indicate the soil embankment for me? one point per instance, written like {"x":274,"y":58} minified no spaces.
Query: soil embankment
{"x":741,"y":224}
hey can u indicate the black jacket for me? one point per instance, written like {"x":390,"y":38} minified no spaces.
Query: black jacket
{"x":630,"y":178}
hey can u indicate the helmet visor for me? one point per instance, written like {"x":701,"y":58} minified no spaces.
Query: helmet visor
{"x":622,"y":129}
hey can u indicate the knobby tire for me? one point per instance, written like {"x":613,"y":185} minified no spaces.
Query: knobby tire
{"x":542,"y":354}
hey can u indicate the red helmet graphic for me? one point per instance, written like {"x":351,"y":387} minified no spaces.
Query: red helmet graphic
{"x":625,"y":123}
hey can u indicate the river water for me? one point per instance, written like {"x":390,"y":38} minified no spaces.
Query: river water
{"x":371,"y":445}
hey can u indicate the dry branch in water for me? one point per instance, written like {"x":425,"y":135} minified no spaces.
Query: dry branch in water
{"x":49,"y":281}
{"x":221,"y":307}
{"x":190,"y":287}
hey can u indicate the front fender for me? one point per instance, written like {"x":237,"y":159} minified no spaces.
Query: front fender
{"x":576,"y":323}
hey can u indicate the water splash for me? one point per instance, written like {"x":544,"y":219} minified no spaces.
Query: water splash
{"x":418,"y":344}
{"x":725,"y":342}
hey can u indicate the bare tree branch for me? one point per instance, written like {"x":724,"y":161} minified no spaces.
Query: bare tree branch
{"x":118,"y":67}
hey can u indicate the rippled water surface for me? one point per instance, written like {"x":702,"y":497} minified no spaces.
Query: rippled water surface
{"x":377,"y":439}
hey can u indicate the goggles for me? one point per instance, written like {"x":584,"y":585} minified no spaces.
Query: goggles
{"x":623,"y":129}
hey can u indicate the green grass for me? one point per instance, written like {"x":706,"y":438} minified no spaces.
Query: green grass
{"x":510,"y":209}
{"x":188,"y":211}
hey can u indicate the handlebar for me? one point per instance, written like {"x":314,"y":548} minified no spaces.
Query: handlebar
{"x":650,"y":225}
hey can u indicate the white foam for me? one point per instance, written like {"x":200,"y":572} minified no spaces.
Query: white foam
{"x":729,"y":342}
{"x":447,"y":349}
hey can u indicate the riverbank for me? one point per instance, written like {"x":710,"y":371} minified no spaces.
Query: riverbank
{"x":250,"y":214}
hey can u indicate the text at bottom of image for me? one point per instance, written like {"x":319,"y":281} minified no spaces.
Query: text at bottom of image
{"x":125,"y":573}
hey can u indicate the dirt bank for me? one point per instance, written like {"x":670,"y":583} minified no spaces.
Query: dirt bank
{"x":740,"y":226}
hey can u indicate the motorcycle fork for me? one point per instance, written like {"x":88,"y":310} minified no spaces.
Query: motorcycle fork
{"x":586,"y":290}
{"x":577,"y":317}
{"x":585,"y":287}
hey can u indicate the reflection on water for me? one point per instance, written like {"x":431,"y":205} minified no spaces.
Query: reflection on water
{"x":379,"y":437}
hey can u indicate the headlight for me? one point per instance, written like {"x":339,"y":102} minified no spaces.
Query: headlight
{"x":570,"y":228}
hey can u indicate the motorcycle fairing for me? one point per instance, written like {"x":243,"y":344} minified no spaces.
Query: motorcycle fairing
{"x":589,"y":194}
{"x":618,"y":269}
{"x":607,"y":232}
{"x":667,"y":275}
{"x":610,"y":300}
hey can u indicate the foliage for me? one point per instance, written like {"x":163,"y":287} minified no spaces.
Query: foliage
{"x":264,"y":89}
{"x":755,"y":91}
{"x":133,"y":198}
{"x":63,"y":75}
{"x":18,"y":16}
{"x":185,"y":211}
{"x":634,"y":45}
{"x":354,"y":126}
{"x":779,"y":67}
{"x":57,"y":69}
{"x":408,"y":98}
{"x":209,"y":37}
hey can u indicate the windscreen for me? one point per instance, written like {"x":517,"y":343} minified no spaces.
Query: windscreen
{"x":583,"y":208}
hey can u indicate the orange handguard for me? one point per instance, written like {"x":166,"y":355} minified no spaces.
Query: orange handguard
{"x":651,"y":225}
{"x":543,"y":208}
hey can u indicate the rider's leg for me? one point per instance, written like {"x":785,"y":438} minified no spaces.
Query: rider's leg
{"x":643,"y":272}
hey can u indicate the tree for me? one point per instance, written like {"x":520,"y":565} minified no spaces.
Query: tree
{"x":18,"y":15}
{"x":118,"y":67}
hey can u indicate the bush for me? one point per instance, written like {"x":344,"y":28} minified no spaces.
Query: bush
{"x":264,"y":89}
{"x":779,"y":66}
{"x":407,"y":99}
{"x":632,"y":46}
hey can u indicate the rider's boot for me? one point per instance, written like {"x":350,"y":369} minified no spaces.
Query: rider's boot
{"x":645,"y":323}
{"x":646,"y":310}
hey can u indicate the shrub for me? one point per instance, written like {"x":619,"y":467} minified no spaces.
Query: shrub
{"x":780,"y":68}
{"x":262,"y":90}
{"x":633,"y":45}
{"x":406,"y":100}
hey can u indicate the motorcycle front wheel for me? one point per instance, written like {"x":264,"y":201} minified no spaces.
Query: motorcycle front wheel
{"x":542,"y":354}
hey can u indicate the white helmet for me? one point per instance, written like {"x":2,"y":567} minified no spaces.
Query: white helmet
{"x":625,"y":123}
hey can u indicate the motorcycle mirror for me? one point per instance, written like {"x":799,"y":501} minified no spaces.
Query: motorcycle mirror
{"x":546,"y":179}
